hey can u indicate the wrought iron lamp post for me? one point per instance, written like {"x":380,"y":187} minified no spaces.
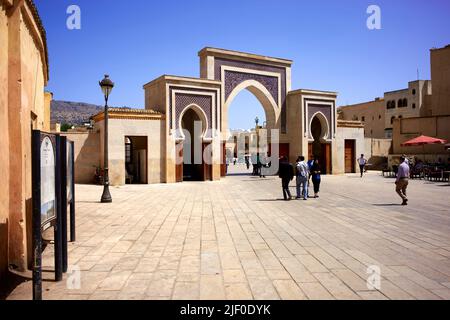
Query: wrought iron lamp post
{"x":107,"y":85}
{"x":257,"y":135}
{"x":258,"y":160}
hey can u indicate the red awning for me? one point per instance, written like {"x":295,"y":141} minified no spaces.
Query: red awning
{"x":423,"y":140}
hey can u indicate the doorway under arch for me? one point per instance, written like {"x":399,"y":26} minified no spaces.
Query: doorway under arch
{"x":319,"y":148}
{"x":193,"y":166}
{"x":259,"y":91}
{"x":241,"y":145}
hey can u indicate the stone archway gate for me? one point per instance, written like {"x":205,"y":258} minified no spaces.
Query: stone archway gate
{"x":223,"y":74}
{"x":269,"y":79}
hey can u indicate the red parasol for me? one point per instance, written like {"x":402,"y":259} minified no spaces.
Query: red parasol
{"x":423,"y":140}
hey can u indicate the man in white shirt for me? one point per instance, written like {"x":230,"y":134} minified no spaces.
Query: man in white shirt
{"x":302,"y":178}
{"x":402,"y":181}
{"x":362,"y":164}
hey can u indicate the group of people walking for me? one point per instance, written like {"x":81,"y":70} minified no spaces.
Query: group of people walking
{"x":310,"y":171}
{"x":304,"y":173}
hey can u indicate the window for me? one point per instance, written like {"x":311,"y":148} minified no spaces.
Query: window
{"x":392,"y":120}
{"x":379,"y":117}
{"x":388,"y":133}
{"x":405,"y":102}
{"x":414,"y":91}
{"x":400,"y":117}
{"x":391,"y":104}
{"x":363,"y":119}
{"x":400,"y":103}
{"x":413,"y":105}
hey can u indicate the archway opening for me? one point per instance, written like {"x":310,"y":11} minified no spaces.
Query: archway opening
{"x":319,"y":148}
{"x":246,"y":147}
{"x":194,"y":167}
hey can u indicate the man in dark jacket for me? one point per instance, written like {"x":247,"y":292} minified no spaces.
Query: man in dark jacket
{"x":286,"y":174}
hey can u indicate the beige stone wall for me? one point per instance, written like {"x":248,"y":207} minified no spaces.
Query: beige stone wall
{"x":155,"y":96}
{"x":32,"y":76}
{"x":338,"y":147}
{"x":33,"y":81}
{"x":406,"y":129}
{"x":377,"y":147}
{"x":4,"y":151}
{"x":416,"y":94}
{"x":87,"y":154}
{"x":372,"y":114}
{"x":377,"y":152}
{"x":118,"y":129}
{"x":207,"y":67}
{"x":156,"y":99}
{"x":48,"y":97}
{"x":440,"y":76}
{"x":295,"y":128}
{"x":23,"y":74}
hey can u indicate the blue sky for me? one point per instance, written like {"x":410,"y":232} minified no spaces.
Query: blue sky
{"x":137,"y":41}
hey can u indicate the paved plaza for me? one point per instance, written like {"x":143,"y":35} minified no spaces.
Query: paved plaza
{"x":236,"y":239}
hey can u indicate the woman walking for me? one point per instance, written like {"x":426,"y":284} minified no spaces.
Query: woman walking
{"x":315,"y":175}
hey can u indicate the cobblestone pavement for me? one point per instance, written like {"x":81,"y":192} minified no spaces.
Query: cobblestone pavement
{"x":236,"y":239}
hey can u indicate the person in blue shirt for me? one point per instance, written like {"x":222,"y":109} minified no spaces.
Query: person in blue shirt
{"x":310,"y":164}
{"x":315,"y":177}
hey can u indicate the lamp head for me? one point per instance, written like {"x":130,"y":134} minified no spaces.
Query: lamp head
{"x":107,"y":85}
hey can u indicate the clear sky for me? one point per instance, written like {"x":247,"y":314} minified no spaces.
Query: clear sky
{"x":137,"y":41}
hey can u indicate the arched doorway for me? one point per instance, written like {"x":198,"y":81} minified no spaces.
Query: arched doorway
{"x":191,"y":148}
{"x":271,"y":111}
{"x":241,"y":146}
{"x":319,"y":148}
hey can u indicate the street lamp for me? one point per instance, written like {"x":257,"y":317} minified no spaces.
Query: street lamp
{"x":257,"y":143}
{"x":107,"y":85}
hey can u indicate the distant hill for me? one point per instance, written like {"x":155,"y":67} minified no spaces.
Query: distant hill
{"x":73,"y":112}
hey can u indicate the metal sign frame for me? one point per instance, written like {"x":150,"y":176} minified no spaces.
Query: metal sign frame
{"x":67,"y":195}
{"x":71,"y":160}
{"x":38,"y":226}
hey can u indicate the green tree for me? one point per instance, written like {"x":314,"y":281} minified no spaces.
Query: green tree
{"x":65,"y":127}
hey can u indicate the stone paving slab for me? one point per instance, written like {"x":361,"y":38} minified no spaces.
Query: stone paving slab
{"x":235,"y":239}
